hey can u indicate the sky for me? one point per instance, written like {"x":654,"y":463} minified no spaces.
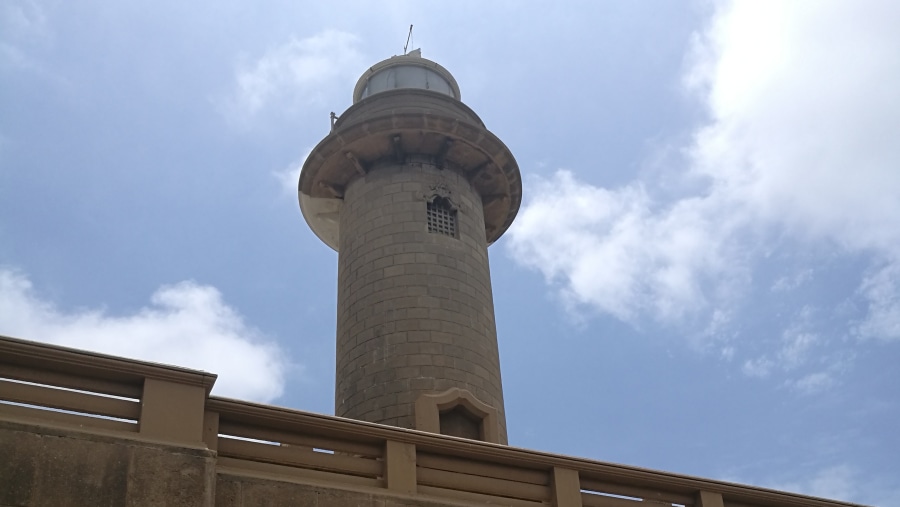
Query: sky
{"x":703,"y":278}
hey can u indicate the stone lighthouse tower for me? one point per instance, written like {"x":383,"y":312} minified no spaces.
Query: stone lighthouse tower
{"x":410,"y":188}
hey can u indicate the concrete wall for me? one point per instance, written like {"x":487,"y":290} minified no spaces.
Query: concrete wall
{"x":242,"y":491}
{"x":44,"y":467}
{"x":415,"y":310}
{"x":45,"y":464}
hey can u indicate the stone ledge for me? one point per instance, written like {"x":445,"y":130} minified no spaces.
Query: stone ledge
{"x":101,"y":436}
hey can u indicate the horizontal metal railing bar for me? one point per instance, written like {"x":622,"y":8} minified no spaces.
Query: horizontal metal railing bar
{"x":654,"y":494}
{"x":76,"y":420}
{"x":591,"y":500}
{"x":69,"y":400}
{"x":42,"y":356}
{"x":69,"y":381}
{"x":484,"y":485}
{"x":299,"y":457}
{"x":507,"y":472}
{"x":227,"y":427}
{"x":477,"y":498}
{"x":225,"y":464}
{"x":285,"y":419}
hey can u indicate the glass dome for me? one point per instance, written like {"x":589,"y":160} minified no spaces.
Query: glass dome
{"x":406,"y":71}
{"x":406,"y":76}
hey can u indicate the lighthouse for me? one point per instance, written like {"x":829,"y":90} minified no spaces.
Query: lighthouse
{"x":410,"y":188}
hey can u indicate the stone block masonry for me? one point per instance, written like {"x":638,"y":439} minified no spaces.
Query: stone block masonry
{"x":415,"y":309}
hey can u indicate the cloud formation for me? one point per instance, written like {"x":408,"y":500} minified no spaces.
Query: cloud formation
{"x":804,"y":111}
{"x":297,"y":73}
{"x":881,"y":289}
{"x":289,"y":177}
{"x":840,"y":482}
{"x":186,"y":324}
{"x":800,"y":141}
{"x":617,"y":251}
{"x":24,"y":31}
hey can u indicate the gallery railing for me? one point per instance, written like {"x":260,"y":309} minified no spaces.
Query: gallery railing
{"x":47,"y":385}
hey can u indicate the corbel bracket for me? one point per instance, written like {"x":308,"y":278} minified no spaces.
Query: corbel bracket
{"x":478,"y":171}
{"x":398,"y":149}
{"x":441,"y":157}
{"x":335,"y":190}
{"x":356,"y":164}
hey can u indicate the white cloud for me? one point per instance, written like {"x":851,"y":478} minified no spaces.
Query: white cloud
{"x":759,"y":367}
{"x":186,"y":324}
{"x":801,"y":357}
{"x":812,"y":383}
{"x":882,"y":291}
{"x":804,"y":116}
{"x":614,"y":250}
{"x":834,"y":482}
{"x":727,"y":353}
{"x":797,"y":342}
{"x":297,"y":73}
{"x":843,"y":482}
{"x":837,"y":482}
{"x":289,"y":177}
{"x":789,"y":283}
{"x":24,"y":32}
{"x":804,"y":107}
{"x":23,"y":21}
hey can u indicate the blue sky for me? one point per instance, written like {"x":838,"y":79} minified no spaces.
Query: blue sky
{"x":704,"y":276}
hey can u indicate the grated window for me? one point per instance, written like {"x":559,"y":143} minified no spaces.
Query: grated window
{"x":441,"y":217}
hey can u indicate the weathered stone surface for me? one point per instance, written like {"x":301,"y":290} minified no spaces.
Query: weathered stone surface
{"x":76,"y":472}
{"x":276,"y":494}
{"x":58,"y":468}
{"x":181,"y":480}
{"x":228,"y":491}
{"x":415,"y":309}
{"x":19,"y":454}
{"x":254,"y":492}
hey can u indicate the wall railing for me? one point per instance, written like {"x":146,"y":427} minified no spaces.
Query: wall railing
{"x":51,"y":385}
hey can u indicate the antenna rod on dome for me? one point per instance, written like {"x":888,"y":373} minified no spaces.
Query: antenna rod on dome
{"x":407,"y":39}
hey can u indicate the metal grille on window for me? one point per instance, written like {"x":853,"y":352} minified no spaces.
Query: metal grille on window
{"x":441,"y":217}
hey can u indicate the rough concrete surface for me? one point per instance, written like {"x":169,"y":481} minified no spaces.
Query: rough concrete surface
{"x":62,"y":468}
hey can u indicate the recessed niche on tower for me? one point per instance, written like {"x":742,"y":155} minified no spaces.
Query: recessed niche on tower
{"x":457,"y":412}
{"x":459,"y":422}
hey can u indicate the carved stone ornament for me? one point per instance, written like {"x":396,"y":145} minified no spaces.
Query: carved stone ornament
{"x":440,"y":190}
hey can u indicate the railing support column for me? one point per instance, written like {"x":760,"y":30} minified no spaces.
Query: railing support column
{"x":211,"y":430}
{"x":400,"y":467}
{"x":709,"y":499}
{"x":566,"y":487}
{"x":172,"y":411}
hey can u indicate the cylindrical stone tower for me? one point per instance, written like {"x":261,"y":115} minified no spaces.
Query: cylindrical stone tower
{"x":410,"y":188}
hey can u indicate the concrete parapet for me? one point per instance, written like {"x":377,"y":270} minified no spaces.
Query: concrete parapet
{"x":53,"y":467}
{"x":253,"y":455}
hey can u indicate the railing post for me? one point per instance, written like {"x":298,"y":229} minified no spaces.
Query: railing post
{"x":709,"y":499}
{"x":211,"y":430}
{"x":172,"y":411}
{"x":566,"y":486}
{"x":400,"y":467}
